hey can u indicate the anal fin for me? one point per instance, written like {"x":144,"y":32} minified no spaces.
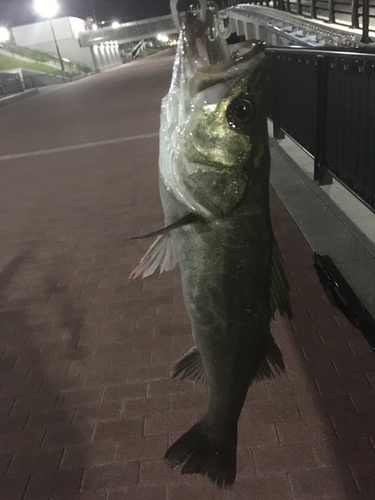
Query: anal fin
{"x":190,"y":367}
{"x":273,"y":362}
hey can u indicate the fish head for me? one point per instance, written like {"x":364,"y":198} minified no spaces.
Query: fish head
{"x":228,"y":122}
{"x":213,"y":133}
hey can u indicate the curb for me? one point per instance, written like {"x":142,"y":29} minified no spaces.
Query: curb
{"x":17,"y":97}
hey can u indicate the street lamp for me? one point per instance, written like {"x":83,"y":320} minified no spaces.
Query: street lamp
{"x":4,"y":35}
{"x":93,"y":13}
{"x":49,"y":9}
{"x":163,"y":38}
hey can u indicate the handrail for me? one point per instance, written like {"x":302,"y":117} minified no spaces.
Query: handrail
{"x":363,"y":52}
{"x":330,"y":113}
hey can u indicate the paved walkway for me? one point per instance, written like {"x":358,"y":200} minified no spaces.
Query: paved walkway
{"x":87,"y":408}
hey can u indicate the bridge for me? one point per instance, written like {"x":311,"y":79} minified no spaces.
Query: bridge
{"x":129,"y":32}
{"x":284,"y":19}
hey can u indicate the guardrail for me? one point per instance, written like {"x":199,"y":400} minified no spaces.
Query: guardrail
{"x":357,"y":12}
{"x":299,"y":30}
{"x":325,"y":100}
{"x":10,"y":83}
{"x":327,"y":8}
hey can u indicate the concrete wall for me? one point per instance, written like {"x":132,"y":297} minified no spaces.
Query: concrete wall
{"x":36,"y":33}
{"x":252,"y":29}
{"x":106,"y":55}
{"x":33,"y":79}
{"x":240,"y":28}
{"x":39,"y":36}
{"x":69,"y":49}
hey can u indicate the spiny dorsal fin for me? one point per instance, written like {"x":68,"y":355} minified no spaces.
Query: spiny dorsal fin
{"x":279,"y":286}
{"x":190,"y":366}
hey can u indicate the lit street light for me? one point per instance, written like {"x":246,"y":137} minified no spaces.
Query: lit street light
{"x":49,"y":9}
{"x":115,"y":25}
{"x":4,"y":35}
{"x":163,"y":38}
{"x":93,"y":13}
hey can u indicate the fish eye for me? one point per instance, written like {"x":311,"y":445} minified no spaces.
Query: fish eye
{"x":240,"y":113}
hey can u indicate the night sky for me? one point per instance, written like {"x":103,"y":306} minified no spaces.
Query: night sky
{"x":17,"y":12}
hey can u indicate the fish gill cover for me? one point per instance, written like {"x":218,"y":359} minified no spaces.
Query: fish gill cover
{"x":214,"y":166}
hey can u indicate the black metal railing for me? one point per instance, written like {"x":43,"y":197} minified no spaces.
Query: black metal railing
{"x":10,"y":83}
{"x":359,"y":13}
{"x":356,"y":13}
{"x":329,"y":9}
{"x":325,"y":100}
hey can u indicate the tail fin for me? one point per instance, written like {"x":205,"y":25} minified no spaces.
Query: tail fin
{"x":204,"y":454}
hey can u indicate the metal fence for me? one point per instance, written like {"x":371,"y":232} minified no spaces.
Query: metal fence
{"x":355,"y":13}
{"x":328,"y":9}
{"x":10,"y":83}
{"x":325,"y":100}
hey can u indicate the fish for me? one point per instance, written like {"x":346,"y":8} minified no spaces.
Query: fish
{"x":214,"y":165}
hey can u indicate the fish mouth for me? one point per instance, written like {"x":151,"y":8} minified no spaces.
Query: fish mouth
{"x":246,"y":58}
{"x":209,"y":56}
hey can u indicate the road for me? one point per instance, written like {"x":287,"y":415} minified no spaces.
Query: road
{"x":87,"y":408}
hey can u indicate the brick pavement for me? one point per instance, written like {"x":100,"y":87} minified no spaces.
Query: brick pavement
{"x":87,"y":408}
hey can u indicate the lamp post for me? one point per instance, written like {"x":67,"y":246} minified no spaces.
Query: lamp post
{"x":93,"y":12}
{"x":49,"y":9}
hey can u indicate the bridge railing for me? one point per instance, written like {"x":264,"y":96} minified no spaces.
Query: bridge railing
{"x":325,"y":100}
{"x":360,"y":13}
{"x":10,"y":83}
{"x":326,"y":8}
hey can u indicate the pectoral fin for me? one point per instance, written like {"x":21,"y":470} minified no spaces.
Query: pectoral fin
{"x":279,"y":286}
{"x":186,"y":219}
{"x":161,"y":253}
